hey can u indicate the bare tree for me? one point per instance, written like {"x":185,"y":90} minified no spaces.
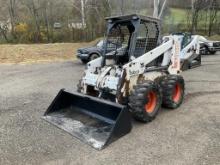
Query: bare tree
{"x":122,"y":7}
{"x":156,"y":8}
{"x":159,"y":7}
{"x":83,"y":13}
{"x":4,"y":31}
{"x":134,"y":6}
{"x":81,"y":8}
{"x":33,"y":8}
{"x":109,"y":6}
{"x":11,"y":9}
{"x":45,"y":6}
{"x":213,"y":13}
{"x":196,"y":7}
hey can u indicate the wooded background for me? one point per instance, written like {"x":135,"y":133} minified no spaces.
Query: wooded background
{"x":48,"y":21}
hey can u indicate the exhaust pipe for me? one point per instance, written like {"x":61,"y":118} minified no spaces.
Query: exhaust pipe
{"x":94,"y":121}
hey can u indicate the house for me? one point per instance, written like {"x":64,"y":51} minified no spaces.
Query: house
{"x":57,"y":25}
{"x":76,"y":25}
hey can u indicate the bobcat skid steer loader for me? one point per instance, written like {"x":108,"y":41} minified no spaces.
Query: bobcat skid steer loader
{"x":138,"y":77}
{"x":189,"y":57}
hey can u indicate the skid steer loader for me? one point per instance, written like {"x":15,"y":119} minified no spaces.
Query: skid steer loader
{"x":135,"y":79}
{"x":188,"y":58}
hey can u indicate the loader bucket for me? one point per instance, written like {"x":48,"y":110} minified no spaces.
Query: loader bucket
{"x":94,"y":121}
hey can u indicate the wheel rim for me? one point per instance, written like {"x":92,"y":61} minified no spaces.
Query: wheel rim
{"x":152,"y":102}
{"x":177,"y":93}
{"x":93,"y":57}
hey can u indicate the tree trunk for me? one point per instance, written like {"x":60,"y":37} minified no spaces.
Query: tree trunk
{"x":156,"y":8}
{"x":83,"y":13}
{"x":12,"y":17}
{"x":193,"y":16}
{"x":4,"y":34}
{"x":212,"y":16}
{"x":158,"y":12}
{"x":163,"y":8}
{"x":47,"y":23}
{"x":122,"y":7}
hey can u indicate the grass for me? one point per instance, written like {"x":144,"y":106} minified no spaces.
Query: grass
{"x":214,"y":38}
{"x":33,"y":53}
{"x":180,"y":16}
{"x":176,"y":16}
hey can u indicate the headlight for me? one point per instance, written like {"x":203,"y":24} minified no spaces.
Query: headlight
{"x":84,"y":52}
{"x":210,"y":44}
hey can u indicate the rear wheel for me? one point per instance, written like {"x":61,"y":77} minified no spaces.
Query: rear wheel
{"x":206,"y":51}
{"x":145,"y":101}
{"x":173,"y":88}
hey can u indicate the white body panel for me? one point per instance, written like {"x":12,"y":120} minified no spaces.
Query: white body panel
{"x":193,"y":47}
{"x":109,"y":76}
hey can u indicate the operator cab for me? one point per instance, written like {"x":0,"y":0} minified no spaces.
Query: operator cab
{"x":186,"y":39}
{"x":130,"y":36}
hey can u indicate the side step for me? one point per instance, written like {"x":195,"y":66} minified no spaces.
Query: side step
{"x":94,"y":121}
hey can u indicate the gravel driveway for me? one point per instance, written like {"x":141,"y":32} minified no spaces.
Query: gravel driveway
{"x":188,"y":135}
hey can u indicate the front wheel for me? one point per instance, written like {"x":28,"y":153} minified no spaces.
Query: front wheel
{"x":173,"y":87}
{"x":212,"y":52}
{"x":145,"y":101}
{"x":93,"y":57}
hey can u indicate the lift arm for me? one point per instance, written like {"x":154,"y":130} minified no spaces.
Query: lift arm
{"x":137,"y":66}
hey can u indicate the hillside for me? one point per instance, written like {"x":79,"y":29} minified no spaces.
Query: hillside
{"x":21,"y":7}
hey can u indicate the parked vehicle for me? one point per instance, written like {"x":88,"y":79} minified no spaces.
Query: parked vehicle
{"x":90,"y":53}
{"x":208,"y":47}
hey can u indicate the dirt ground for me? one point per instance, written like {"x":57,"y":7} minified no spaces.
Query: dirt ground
{"x":24,"y":53}
{"x":186,"y":136}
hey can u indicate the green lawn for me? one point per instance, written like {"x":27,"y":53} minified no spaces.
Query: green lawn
{"x":214,"y":38}
{"x":176,"y":16}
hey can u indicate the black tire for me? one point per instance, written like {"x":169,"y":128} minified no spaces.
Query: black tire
{"x":206,"y":52}
{"x":173,"y":88}
{"x":140,"y":98}
{"x":93,"y":56}
{"x":212,"y":52}
{"x":84,"y":61}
